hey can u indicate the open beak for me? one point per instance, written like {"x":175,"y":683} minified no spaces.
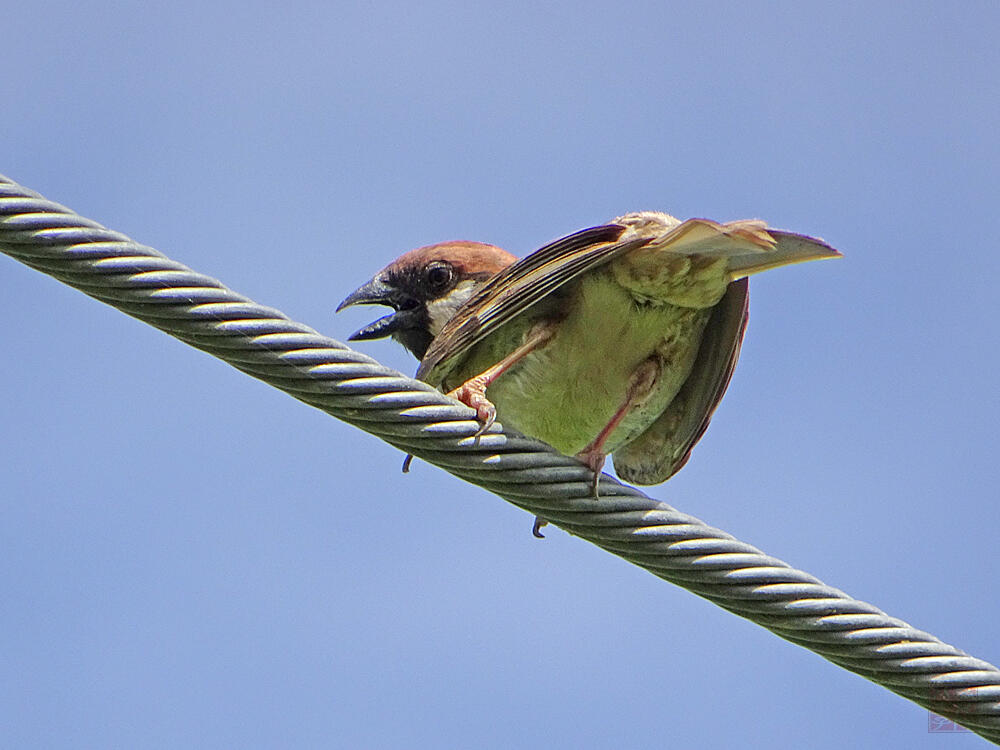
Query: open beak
{"x":377,"y":292}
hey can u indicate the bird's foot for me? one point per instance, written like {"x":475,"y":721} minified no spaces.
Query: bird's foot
{"x":472,"y":393}
{"x":640,"y":385}
{"x":406,"y":463}
{"x":536,"y":530}
{"x":594,"y":459}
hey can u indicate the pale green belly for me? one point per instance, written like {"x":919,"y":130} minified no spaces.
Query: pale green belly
{"x":568,"y":390}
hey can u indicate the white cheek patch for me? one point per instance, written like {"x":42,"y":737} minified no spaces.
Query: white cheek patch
{"x":440,"y":311}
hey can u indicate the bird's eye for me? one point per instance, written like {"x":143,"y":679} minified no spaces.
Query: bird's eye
{"x":438,"y":275}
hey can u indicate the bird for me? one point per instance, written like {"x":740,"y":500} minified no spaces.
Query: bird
{"x":619,"y":339}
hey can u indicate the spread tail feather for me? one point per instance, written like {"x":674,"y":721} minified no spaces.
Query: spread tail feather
{"x":788,"y":249}
{"x":748,"y":246}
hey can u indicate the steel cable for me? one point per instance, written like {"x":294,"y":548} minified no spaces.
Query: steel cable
{"x":321,"y":372}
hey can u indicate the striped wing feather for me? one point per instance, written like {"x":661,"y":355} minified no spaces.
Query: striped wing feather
{"x":517,"y":288}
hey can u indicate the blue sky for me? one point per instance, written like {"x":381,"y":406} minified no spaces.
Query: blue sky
{"x":192,"y":559}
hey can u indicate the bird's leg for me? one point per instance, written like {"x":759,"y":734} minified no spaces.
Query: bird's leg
{"x":473,"y":391}
{"x":640,"y":385}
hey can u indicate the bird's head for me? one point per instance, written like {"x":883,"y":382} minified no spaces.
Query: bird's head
{"x":425,"y":287}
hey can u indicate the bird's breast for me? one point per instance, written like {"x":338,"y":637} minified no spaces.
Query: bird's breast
{"x":567,"y":391}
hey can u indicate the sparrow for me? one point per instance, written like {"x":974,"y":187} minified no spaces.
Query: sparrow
{"x":618,"y":340}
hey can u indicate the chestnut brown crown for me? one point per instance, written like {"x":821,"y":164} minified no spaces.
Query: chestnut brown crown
{"x":424,"y":287}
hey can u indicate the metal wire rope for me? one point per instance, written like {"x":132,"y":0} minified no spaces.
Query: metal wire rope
{"x":418,"y":419}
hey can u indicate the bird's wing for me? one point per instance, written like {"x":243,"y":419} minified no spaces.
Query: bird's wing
{"x":518,"y":287}
{"x":665,"y":446}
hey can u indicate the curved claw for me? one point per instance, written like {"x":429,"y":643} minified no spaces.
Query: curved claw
{"x":594,"y":459}
{"x":536,"y":530}
{"x":487,"y":422}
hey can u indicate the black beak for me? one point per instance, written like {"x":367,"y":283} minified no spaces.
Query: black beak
{"x":377,"y":292}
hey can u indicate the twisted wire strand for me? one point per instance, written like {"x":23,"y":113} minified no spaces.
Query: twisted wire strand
{"x":408,"y":414}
